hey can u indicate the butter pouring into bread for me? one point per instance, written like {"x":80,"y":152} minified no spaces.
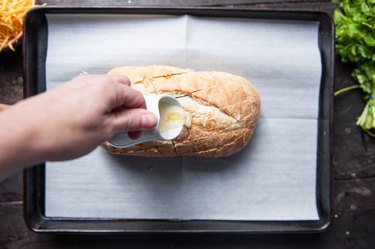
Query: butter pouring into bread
{"x":221,"y":111}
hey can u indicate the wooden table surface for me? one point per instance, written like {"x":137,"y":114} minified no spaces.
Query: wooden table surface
{"x":353,"y":213}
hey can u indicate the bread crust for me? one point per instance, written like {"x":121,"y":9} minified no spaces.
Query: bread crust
{"x":221,"y":111}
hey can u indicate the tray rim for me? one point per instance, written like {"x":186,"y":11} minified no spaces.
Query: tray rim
{"x":34,"y":177}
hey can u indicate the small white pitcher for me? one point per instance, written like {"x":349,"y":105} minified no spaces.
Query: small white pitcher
{"x":153,"y":103}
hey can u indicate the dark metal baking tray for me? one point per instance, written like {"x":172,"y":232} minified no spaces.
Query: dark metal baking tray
{"x":35,"y":46}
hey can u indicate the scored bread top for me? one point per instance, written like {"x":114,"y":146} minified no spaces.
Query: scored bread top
{"x":221,"y":110}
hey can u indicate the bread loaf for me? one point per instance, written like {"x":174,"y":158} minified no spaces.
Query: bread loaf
{"x":221,"y":111}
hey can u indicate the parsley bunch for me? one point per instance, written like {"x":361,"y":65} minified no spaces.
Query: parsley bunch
{"x":355,"y":43}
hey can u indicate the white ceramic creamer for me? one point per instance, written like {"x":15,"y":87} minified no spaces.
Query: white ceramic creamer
{"x":171,"y":119}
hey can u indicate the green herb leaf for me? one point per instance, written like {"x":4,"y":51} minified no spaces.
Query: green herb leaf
{"x":355,"y":43}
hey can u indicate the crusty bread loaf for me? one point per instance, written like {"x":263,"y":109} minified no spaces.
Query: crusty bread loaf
{"x":221,"y":111}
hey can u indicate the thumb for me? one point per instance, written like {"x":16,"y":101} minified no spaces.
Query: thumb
{"x":135,"y":119}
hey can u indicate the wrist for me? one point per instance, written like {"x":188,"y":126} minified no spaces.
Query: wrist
{"x":17,"y":143}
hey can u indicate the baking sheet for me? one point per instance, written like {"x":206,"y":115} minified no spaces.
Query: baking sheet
{"x":274,"y":178}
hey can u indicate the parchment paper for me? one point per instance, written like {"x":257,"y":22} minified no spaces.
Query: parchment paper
{"x":273,"y":178}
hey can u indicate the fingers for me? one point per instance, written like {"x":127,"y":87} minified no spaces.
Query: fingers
{"x":129,"y":97}
{"x":120,"y":79}
{"x":124,"y":97}
{"x":136,"y":119}
{"x":124,"y":107}
{"x":89,"y":79}
{"x":130,"y":111}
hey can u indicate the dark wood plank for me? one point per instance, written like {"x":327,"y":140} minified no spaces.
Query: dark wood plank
{"x":354,"y":149}
{"x":11,"y":189}
{"x":13,"y":231}
{"x":358,"y":194}
{"x":11,"y":76}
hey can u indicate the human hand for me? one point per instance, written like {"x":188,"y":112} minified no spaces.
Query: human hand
{"x":74,"y":118}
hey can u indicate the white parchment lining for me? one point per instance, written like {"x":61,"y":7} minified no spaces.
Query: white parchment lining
{"x":273,"y":178}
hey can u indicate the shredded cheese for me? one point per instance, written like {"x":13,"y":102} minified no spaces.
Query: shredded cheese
{"x":12,"y":13}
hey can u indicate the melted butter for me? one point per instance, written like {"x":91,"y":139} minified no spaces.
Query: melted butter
{"x":171,"y":117}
